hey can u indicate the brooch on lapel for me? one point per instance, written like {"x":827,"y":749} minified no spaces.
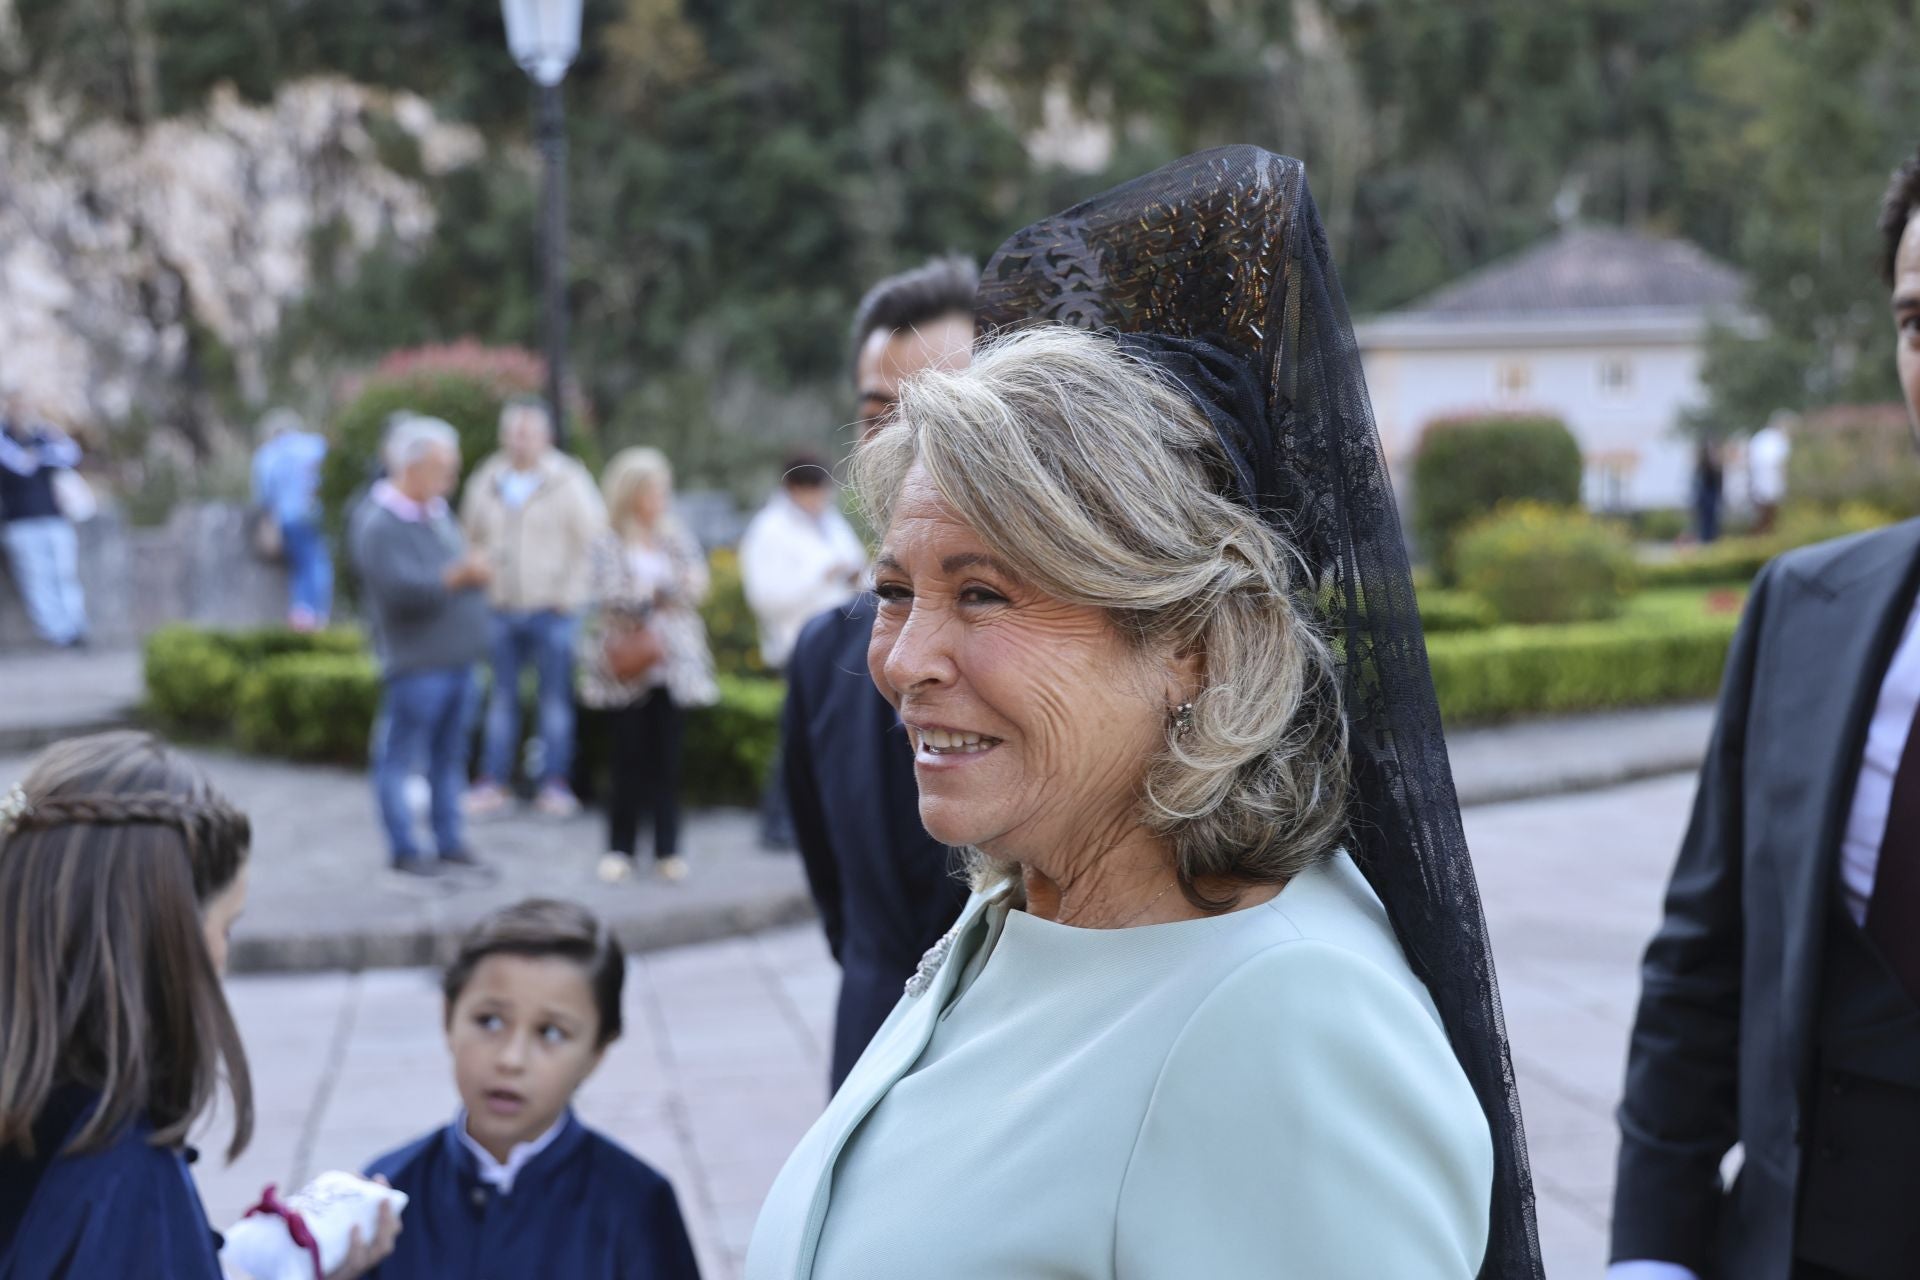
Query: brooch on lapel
{"x":930,"y":963}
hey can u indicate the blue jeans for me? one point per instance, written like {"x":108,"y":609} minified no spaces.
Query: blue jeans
{"x":309,"y":569}
{"x":544,"y":639}
{"x":46,"y":565}
{"x":426,"y":717}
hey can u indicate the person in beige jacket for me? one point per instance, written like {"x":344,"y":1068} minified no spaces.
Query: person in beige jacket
{"x":534,"y":513}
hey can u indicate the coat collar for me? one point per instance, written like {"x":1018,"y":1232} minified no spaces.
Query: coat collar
{"x":554,"y":1148}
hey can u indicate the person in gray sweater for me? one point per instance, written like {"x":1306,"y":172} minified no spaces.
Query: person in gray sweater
{"x":425,"y":598}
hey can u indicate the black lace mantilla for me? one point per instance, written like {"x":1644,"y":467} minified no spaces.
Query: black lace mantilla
{"x":1227,"y":246}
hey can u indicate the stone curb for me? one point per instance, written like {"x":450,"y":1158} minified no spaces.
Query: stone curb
{"x":652,"y":926}
{"x":25,"y":739}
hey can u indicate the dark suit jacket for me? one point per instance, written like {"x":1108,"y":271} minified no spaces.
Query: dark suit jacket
{"x":1722,"y":1048}
{"x":886,"y":890}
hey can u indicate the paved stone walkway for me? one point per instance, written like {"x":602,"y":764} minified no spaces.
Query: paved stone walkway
{"x":724,"y":1062}
{"x":46,"y":695}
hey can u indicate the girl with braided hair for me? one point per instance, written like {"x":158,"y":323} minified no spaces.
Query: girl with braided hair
{"x":122,"y":871}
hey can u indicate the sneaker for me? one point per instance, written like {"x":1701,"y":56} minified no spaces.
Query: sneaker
{"x":614,"y":867}
{"x":486,"y":800}
{"x":672,"y":868}
{"x":423,"y":868}
{"x":461,"y":858}
{"x":556,"y":800}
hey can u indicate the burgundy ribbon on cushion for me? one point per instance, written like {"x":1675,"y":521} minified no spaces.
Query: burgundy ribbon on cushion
{"x":273,"y":1206}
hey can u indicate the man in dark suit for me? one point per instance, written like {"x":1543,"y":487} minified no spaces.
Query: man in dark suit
{"x":885,"y":889}
{"x":1780,"y":1002}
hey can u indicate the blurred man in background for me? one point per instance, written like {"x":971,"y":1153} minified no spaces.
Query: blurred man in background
{"x":885,"y":889}
{"x":1780,"y":999}
{"x":533,"y":514}
{"x":425,"y":598}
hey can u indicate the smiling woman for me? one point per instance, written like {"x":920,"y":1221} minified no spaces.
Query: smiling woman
{"x":1111,"y":573}
{"x":1127,"y":650}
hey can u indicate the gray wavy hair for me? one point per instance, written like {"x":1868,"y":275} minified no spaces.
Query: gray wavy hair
{"x":1093,"y":476}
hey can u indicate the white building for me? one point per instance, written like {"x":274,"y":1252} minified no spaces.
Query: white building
{"x":1600,"y":327}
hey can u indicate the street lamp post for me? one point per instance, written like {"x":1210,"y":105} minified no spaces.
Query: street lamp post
{"x":544,"y":36}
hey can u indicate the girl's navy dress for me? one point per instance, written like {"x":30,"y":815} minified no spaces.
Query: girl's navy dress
{"x":129,"y":1209}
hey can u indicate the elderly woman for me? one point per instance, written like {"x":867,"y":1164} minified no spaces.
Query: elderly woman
{"x":1175,"y":1032}
{"x":643,"y":656}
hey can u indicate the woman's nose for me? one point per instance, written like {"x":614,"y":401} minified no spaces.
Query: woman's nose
{"x":919,"y":653}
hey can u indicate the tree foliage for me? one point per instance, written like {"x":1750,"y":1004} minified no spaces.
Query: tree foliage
{"x":741,"y":169}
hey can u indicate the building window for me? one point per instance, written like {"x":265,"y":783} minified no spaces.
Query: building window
{"x":1616,"y":375}
{"x":1512,"y":378}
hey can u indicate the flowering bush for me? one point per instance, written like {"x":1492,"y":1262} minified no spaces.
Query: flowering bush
{"x":1534,"y":563}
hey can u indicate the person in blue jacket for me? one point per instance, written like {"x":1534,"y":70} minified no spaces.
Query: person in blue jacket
{"x":516,"y":1185}
{"x":121,"y":872}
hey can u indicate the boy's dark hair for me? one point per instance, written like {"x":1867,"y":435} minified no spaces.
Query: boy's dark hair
{"x":933,"y":289}
{"x":1896,"y":209}
{"x":547,"y":927}
{"x":804,"y":470}
{"x":109,"y":851}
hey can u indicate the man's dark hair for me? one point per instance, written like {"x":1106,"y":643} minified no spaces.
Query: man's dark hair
{"x":547,"y":927}
{"x":804,"y":470}
{"x":1896,"y":208}
{"x":933,"y":289}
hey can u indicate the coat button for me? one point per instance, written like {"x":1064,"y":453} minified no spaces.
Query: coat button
{"x":479,"y":1197}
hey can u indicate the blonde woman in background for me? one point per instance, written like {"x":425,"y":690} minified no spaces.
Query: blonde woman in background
{"x":644,"y":657}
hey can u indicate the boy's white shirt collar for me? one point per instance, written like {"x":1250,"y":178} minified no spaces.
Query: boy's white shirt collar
{"x":499,"y":1176}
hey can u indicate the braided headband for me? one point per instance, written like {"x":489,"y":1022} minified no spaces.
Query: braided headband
{"x":153,"y":808}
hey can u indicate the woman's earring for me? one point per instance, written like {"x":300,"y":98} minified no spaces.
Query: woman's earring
{"x":1182,"y":717}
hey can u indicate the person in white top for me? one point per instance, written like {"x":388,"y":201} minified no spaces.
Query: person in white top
{"x":1780,"y":1005}
{"x":1767,"y":455}
{"x":799,"y":557}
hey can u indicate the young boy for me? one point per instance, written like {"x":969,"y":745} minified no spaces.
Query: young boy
{"x":516,"y":1185}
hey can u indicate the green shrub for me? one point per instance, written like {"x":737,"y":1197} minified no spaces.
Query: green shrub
{"x":732,"y":633}
{"x":191,"y":679}
{"x":1442,"y":611}
{"x":1590,"y":666}
{"x":730,"y":746}
{"x":194,"y":675}
{"x":1855,"y":453}
{"x":1533,"y":563}
{"x":1466,"y":467}
{"x":309,"y":706}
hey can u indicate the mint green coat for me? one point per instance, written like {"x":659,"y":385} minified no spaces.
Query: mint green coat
{"x":1262,"y":1093}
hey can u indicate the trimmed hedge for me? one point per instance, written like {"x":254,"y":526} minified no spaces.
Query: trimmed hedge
{"x":1582,"y":666}
{"x":1733,"y":562}
{"x":314,"y":697}
{"x":194,"y":675}
{"x":1443,"y":611}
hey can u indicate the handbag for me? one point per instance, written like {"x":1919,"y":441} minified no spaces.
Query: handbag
{"x":264,"y":535}
{"x":632,"y":649}
{"x":74,"y":496}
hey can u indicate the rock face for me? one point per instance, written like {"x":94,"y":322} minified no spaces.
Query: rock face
{"x":121,"y":249}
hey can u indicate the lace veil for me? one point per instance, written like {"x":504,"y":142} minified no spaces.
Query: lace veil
{"x":1226,"y":247}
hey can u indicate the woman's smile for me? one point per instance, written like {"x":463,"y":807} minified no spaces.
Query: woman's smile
{"x":936,"y":746}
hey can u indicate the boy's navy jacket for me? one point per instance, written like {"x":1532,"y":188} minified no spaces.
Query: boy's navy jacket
{"x":129,"y":1209}
{"x":583,"y":1208}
